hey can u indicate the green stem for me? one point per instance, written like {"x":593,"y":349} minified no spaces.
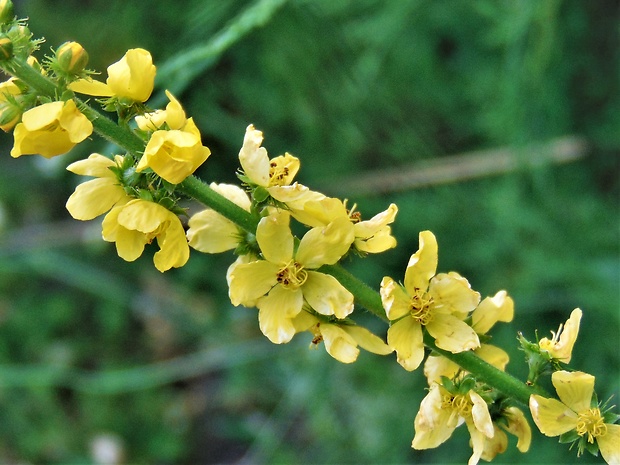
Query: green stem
{"x":483,"y":371}
{"x":195,"y":188}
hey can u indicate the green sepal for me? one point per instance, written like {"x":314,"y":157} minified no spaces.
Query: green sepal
{"x":145,"y":195}
{"x":260,"y":194}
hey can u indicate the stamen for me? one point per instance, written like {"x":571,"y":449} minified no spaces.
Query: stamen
{"x":591,"y":423}
{"x":292,"y":275}
{"x":421,"y":307}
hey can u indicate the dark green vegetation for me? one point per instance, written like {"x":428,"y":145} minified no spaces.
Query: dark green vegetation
{"x":91,"y":345}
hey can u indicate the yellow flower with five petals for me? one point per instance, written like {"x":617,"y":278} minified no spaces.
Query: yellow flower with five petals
{"x":286,"y":278}
{"x":575,"y":412}
{"x":138,"y":222}
{"x":50,"y":129}
{"x":560,"y":346}
{"x":438,"y":303}
{"x":132,"y":77}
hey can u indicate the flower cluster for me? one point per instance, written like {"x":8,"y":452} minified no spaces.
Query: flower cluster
{"x":289,"y":242}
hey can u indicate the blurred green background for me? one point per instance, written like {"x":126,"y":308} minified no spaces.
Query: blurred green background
{"x":97,"y":353}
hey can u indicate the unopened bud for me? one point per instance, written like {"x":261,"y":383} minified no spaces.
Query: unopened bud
{"x":6,"y":48}
{"x":72,"y":58}
{"x":7,"y":13}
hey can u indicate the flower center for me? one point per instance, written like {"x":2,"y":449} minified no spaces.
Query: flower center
{"x":277,"y":174}
{"x":459,"y":404}
{"x":421,"y":307}
{"x":292,"y":275}
{"x":591,"y":423}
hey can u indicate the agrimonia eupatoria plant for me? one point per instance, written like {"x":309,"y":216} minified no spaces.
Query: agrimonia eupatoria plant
{"x":297,"y":283}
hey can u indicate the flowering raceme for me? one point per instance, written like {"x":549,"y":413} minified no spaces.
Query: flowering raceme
{"x":50,"y":129}
{"x":576,"y":413}
{"x":176,"y":152}
{"x":132,"y":77}
{"x":279,"y":284}
{"x":438,"y":303}
{"x":138,"y":222}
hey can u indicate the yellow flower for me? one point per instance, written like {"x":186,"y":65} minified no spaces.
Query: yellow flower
{"x":257,"y":166}
{"x":50,"y":129}
{"x":560,"y":346}
{"x":138,"y":222}
{"x":176,"y":152}
{"x":97,"y":196}
{"x":575,"y":412}
{"x":341,"y":339}
{"x":441,"y":412}
{"x":280,"y":283}
{"x":439,"y":303}
{"x":209,"y":231}
{"x":10,"y":112}
{"x":132,"y":77}
{"x":500,"y":307}
{"x":370,"y":236}
{"x":514,"y":423}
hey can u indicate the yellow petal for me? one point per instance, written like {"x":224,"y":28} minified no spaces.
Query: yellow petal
{"x":210,"y":232}
{"x":395,"y":300}
{"x":367,"y":340}
{"x":94,"y":198}
{"x":175,"y":115}
{"x":254,"y":158}
{"x":77,"y":126}
{"x":574,"y":389}
{"x":339,"y":344}
{"x":144,"y":216}
{"x":495,"y":445}
{"x":432,"y":425}
{"x":551,"y":416}
{"x":249,"y":281}
{"x":453,"y":294}
{"x":276,"y":313}
{"x":480,"y":415}
{"x":233,"y":193}
{"x":326,"y":295}
{"x":405,"y":337}
{"x":133,"y":76}
{"x":500,"y":307}
{"x":95,"y":165}
{"x":369,"y":228}
{"x":304,"y":321}
{"x":422,"y":264}
{"x":518,"y":425}
{"x":275,"y":238}
{"x":379,"y":242}
{"x":174,"y":251}
{"x":493,"y":355}
{"x":325,"y":245}
{"x":609,"y":445}
{"x":452,"y":334}
{"x":477,"y":443}
{"x":41,"y":116}
{"x":437,"y":366}
{"x":91,"y":87}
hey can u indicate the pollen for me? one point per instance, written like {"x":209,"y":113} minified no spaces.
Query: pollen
{"x":591,"y":423}
{"x":292,"y":275}
{"x":421,"y":307}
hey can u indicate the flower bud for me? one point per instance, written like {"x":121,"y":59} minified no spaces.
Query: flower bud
{"x":6,"y":48}
{"x":71,"y":57}
{"x":6,"y":11}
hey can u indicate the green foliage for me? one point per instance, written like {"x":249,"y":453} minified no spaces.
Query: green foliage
{"x":90,"y":344}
